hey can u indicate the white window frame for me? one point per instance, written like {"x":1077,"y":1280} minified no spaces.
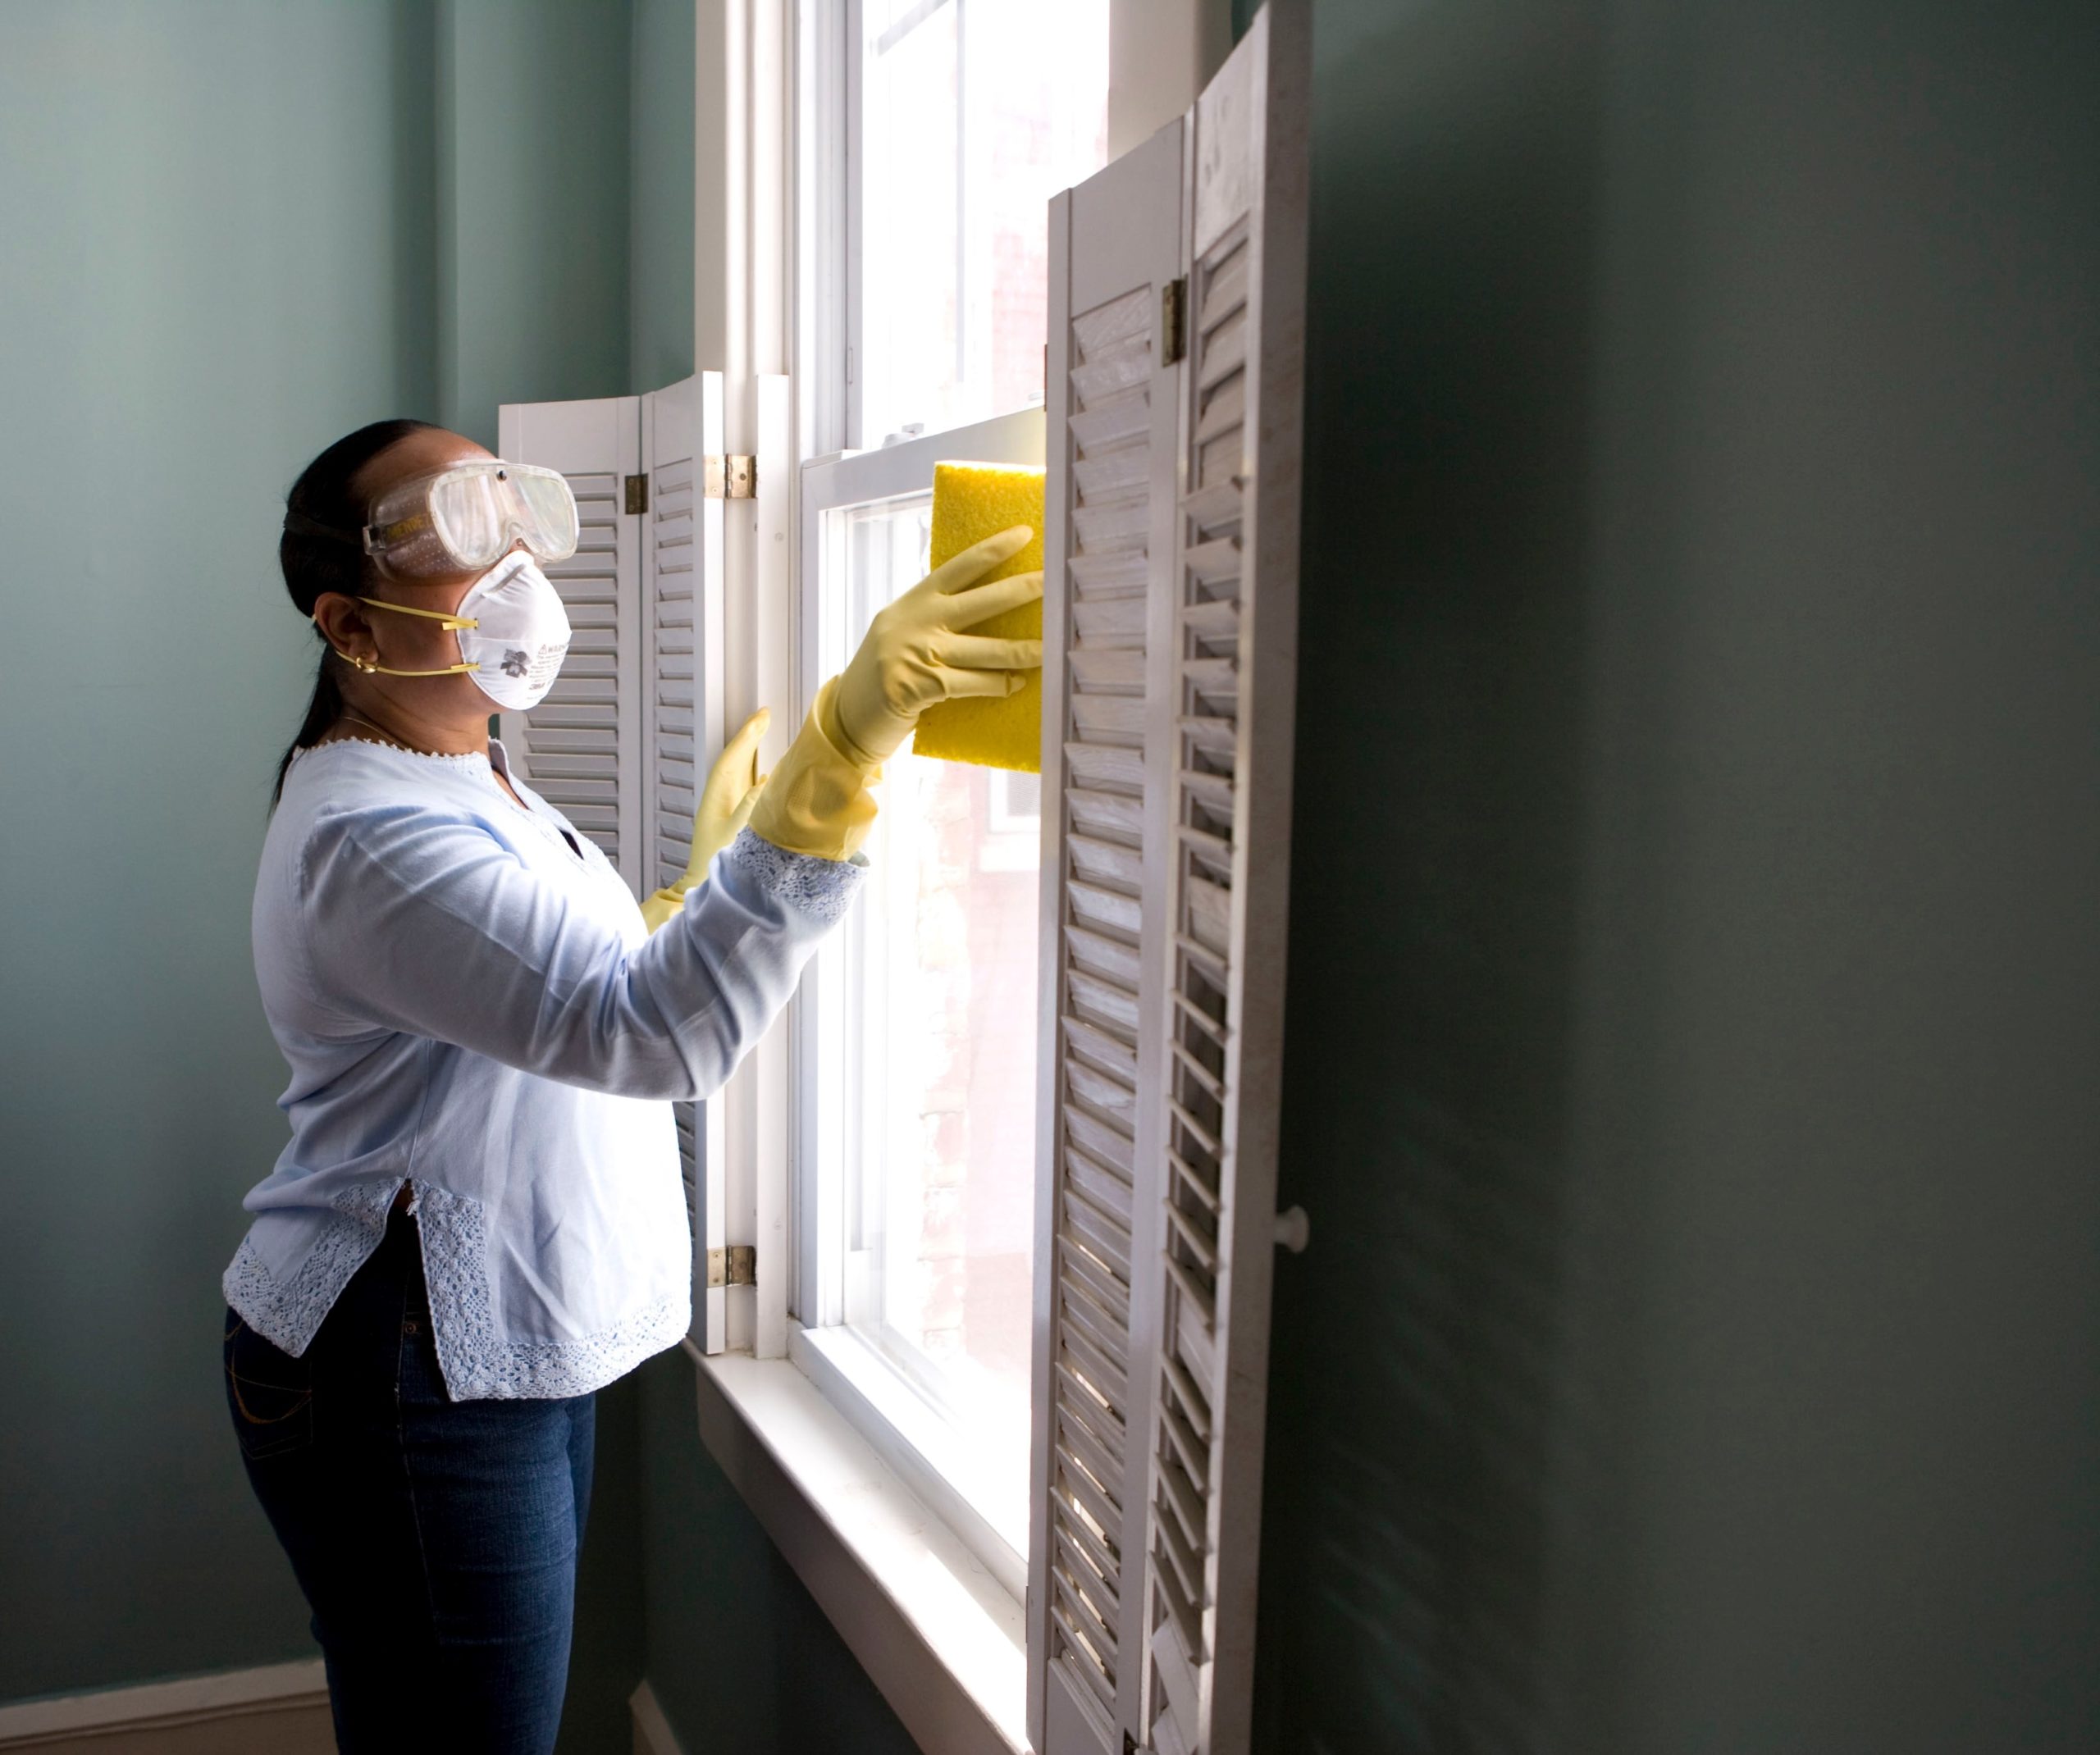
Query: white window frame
{"x":871,"y":1391}
{"x":1161,"y":51}
{"x":989,"y":1515}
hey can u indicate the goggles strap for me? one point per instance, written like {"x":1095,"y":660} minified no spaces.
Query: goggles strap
{"x":298,"y":524}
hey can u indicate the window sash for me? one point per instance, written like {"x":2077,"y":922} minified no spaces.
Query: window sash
{"x":819,"y":1191}
{"x":833,"y":66}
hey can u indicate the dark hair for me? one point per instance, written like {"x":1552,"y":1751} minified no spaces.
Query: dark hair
{"x":319,"y":552}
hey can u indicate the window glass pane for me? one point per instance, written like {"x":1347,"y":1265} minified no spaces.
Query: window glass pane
{"x":936,"y":988}
{"x":973,"y":113}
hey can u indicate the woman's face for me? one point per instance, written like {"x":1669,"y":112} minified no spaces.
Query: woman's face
{"x":405,"y":642}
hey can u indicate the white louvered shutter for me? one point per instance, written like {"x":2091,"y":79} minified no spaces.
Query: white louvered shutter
{"x":1166,"y":895}
{"x":682,"y":731}
{"x":1234,"y":676}
{"x":581,"y":748}
{"x":1109,"y":518}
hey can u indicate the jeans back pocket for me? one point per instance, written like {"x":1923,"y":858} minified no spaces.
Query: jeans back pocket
{"x":269,"y":1394}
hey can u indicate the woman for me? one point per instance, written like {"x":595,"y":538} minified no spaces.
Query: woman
{"x":479,"y":1219}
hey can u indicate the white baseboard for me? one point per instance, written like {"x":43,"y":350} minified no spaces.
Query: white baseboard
{"x":652,"y":1731}
{"x":285,"y":1704}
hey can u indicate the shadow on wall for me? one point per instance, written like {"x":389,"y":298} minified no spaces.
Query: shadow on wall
{"x":1693,"y":976}
{"x":740,"y":1655}
{"x":1417,"y":1379}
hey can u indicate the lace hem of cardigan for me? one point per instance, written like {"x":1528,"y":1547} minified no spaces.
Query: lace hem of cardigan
{"x":287,"y":1313}
{"x":478,"y":1363}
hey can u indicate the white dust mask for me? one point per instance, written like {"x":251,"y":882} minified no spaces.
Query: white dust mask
{"x":513,"y":633}
{"x":520,"y":635}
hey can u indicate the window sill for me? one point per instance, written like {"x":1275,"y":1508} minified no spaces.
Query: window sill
{"x":944,"y":1473}
{"x":941,"y":1638}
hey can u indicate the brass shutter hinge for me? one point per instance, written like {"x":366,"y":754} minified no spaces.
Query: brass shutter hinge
{"x":1173,"y":321}
{"x":637,"y":493}
{"x":737,"y":1265}
{"x":731,"y":477}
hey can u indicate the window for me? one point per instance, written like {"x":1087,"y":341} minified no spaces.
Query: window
{"x":917,"y":1057}
{"x":973,"y":113}
{"x":916,"y":1072}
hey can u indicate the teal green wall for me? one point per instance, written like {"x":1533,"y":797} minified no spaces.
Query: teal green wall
{"x":225,"y":240}
{"x":533,"y":160}
{"x":1694,"y":981}
{"x":741,"y":1658}
{"x":660,"y":195}
{"x":216,"y":259}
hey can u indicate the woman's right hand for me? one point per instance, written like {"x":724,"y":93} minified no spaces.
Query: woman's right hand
{"x":916,"y":653}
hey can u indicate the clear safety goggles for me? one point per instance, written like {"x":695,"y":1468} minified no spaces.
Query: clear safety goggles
{"x":466,"y":517}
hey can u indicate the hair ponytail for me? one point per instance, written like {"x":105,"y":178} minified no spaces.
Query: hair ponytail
{"x":318,"y":554}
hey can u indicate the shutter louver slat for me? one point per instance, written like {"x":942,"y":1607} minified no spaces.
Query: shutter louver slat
{"x":1096,"y":1325}
{"x":1097,"y":765}
{"x":1098,"y":1091}
{"x":1100,"y":814}
{"x":1082,"y":1559}
{"x":1110,"y":575}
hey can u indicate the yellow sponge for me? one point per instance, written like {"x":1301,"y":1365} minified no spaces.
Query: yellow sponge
{"x":972,"y":501}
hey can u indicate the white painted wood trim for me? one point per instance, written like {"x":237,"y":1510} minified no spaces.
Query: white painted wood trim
{"x":653,"y":1734}
{"x":940,"y":1638}
{"x":711,"y":1304}
{"x":742,"y":235}
{"x":928,"y":1454}
{"x":1161,"y":53}
{"x":773,"y":632}
{"x":192,"y":1700}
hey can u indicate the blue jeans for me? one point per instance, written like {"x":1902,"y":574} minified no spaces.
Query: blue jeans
{"x":435,"y":1541}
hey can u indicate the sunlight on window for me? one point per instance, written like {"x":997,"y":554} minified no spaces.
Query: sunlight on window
{"x":938,"y":1041}
{"x":975,"y":113}
{"x":961,"y":1016}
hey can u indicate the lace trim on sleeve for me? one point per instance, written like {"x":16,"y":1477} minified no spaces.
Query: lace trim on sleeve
{"x":824,"y":888}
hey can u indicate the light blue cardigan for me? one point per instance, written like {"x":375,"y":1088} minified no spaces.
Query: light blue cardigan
{"x":468,"y":1002}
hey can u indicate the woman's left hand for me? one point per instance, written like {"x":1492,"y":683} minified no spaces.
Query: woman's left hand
{"x":733,"y":785}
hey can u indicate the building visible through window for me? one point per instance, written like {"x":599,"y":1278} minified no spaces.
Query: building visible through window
{"x":974,"y":113}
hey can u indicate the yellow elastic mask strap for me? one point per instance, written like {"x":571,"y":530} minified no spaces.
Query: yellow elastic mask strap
{"x":446,"y":616}
{"x":449,"y":620}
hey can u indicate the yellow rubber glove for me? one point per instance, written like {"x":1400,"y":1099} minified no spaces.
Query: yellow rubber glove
{"x":817,"y":799}
{"x":915,"y":652}
{"x":726,"y":801}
